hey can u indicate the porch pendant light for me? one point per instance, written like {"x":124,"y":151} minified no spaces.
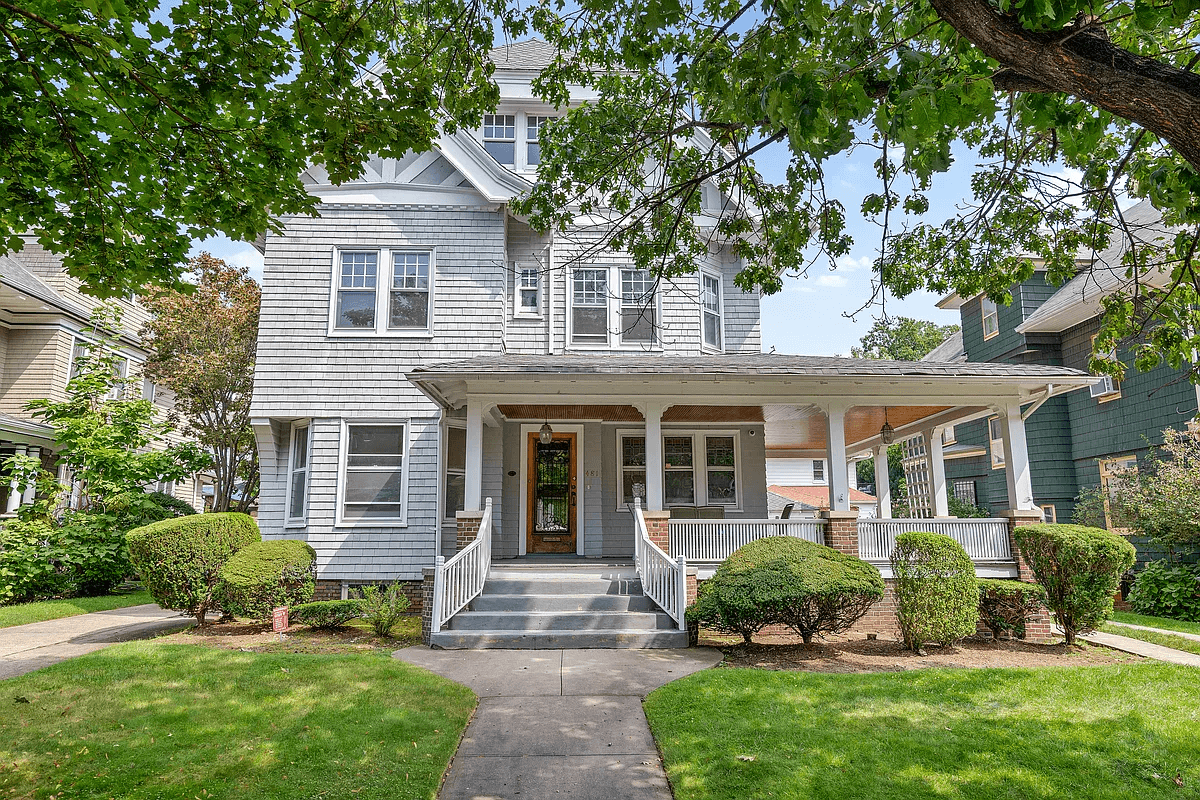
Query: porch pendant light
{"x":546,"y":433}
{"x":887,"y":434}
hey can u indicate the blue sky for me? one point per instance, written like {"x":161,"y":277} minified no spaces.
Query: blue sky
{"x":808,"y":316}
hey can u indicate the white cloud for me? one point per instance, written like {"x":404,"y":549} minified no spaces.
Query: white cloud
{"x":832,"y":281}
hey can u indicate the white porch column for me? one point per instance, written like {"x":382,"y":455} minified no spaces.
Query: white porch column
{"x":1016,"y":458}
{"x":654,"y":456}
{"x":14,"y":489}
{"x":937,"y":472}
{"x":31,"y":489}
{"x":473,"y":491}
{"x":839,"y":484}
{"x":883,"y":482}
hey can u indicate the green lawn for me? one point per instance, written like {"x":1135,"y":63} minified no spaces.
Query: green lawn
{"x":1157,"y":622}
{"x":1078,"y":732}
{"x":57,"y":609}
{"x":1155,"y":637}
{"x":145,"y":720}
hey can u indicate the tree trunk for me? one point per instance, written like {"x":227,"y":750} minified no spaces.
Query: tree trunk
{"x":807,"y":637}
{"x":1082,"y":62}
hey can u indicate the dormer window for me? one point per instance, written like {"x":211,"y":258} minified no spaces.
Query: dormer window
{"x":500,"y":137}
{"x":533,"y":135}
{"x":991,"y":318}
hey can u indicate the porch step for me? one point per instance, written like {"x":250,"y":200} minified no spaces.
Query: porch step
{"x":567,"y":607}
{"x":558,"y":640}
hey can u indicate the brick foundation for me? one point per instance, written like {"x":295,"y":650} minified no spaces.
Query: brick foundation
{"x":658,"y":528}
{"x":1037,"y":629}
{"x":427,"y":605}
{"x":332,"y":590}
{"x":468,"y":528}
{"x":328,"y":590}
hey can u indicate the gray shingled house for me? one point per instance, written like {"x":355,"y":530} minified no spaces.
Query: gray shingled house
{"x":439,"y":388}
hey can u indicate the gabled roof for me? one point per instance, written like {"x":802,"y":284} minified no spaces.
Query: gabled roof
{"x":531,"y":55}
{"x":818,"y":496}
{"x":17,"y":276}
{"x":1079,"y":299}
{"x":950,"y":350}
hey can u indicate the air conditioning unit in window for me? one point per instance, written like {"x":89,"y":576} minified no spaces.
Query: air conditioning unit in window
{"x":1106,"y":386}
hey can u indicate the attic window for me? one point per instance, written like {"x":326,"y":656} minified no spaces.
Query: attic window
{"x":533,"y":135}
{"x":991,"y":318}
{"x":500,"y":137}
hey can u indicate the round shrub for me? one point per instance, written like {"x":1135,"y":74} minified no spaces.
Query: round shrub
{"x":937,"y":598}
{"x":180,"y":559}
{"x":1167,"y":590}
{"x":328,"y":615}
{"x":1079,"y":567}
{"x":265,"y":575}
{"x":810,"y":588}
{"x":1005,"y":606}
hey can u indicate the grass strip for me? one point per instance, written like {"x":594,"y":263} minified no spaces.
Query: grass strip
{"x":1155,"y":637}
{"x":1096,"y":733}
{"x":146,"y":720}
{"x":1157,"y":622}
{"x":41,"y":611}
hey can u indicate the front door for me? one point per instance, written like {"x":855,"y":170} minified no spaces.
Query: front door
{"x":552,"y":495}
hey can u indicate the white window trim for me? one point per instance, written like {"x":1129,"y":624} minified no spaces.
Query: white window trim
{"x":993,"y":460}
{"x":383,"y":289}
{"x":306,"y":425}
{"x":705,"y":346}
{"x":824,"y":479}
{"x":518,"y":140}
{"x":983,"y":314}
{"x":519,"y":311}
{"x":344,"y":445}
{"x":446,"y":514}
{"x":613,"y":313}
{"x":699,"y":463}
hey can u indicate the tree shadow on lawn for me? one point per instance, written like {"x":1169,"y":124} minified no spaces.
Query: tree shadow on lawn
{"x":1115,"y":732}
{"x":147,"y":720}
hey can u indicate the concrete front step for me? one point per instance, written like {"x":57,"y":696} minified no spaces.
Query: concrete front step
{"x":558,"y":640}
{"x":556,"y":584}
{"x":563,"y":602}
{"x":559,"y":621}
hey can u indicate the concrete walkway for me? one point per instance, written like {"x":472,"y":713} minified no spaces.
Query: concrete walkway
{"x":1195,"y":637}
{"x":559,"y":723}
{"x":1146,"y":649}
{"x":24,"y":648}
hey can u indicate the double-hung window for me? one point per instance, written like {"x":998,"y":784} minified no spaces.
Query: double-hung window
{"x":373,"y":473}
{"x":710,"y":310}
{"x":996,"y":442}
{"x":528,"y":300}
{"x":633,"y":469}
{"x":358,"y":278}
{"x":699,"y":469}
{"x":679,"y":478}
{"x":720,"y":468}
{"x":410,"y":292}
{"x":397,"y":299}
{"x":818,"y":469}
{"x":500,"y":137}
{"x":589,"y":306}
{"x":533,"y":135}
{"x":297,"y":497}
{"x":991,"y":317}
{"x":456,"y":470}
{"x":614,"y":306}
{"x":637,"y":306}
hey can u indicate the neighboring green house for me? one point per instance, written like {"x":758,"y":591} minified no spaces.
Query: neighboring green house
{"x":1078,"y":440}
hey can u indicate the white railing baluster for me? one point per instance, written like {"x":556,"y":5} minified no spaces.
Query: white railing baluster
{"x":983,"y":539}
{"x":459,"y":580}
{"x":717,"y":539}
{"x":664,"y":581}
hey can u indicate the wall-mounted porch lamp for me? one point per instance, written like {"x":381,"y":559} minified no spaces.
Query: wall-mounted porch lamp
{"x":887,"y":434}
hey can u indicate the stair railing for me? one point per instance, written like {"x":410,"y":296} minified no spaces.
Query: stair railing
{"x":664,"y":581}
{"x":460,"y":580}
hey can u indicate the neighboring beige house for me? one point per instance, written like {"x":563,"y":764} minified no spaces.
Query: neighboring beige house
{"x":43,"y":321}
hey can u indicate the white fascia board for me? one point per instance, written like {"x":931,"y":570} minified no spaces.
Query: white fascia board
{"x":494,"y":181}
{"x":401,"y":194}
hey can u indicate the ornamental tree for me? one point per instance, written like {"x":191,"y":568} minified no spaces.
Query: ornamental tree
{"x":203,"y":344}
{"x":129,"y":129}
{"x":901,"y":339}
{"x":1163,"y":500}
{"x":1066,"y":107}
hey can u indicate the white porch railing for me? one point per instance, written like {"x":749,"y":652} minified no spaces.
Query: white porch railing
{"x":717,"y":539}
{"x":983,"y":539}
{"x":664,"y":581}
{"x":460,"y":580}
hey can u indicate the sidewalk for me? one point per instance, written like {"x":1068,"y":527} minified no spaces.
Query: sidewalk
{"x":24,"y":648}
{"x":559,"y":723}
{"x":1193,"y":636}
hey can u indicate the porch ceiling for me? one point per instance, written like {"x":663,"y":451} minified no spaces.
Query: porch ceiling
{"x":624,"y":413}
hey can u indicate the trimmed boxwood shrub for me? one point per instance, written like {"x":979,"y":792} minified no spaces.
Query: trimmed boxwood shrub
{"x":327,"y":615}
{"x":1079,"y":567}
{"x":810,"y":588}
{"x":937,"y":597}
{"x":265,"y":575}
{"x":1005,"y":606}
{"x":1167,"y":590}
{"x":180,"y":559}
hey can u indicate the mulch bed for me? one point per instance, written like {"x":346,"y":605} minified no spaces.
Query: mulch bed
{"x":258,"y":638}
{"x":844,"y":654}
